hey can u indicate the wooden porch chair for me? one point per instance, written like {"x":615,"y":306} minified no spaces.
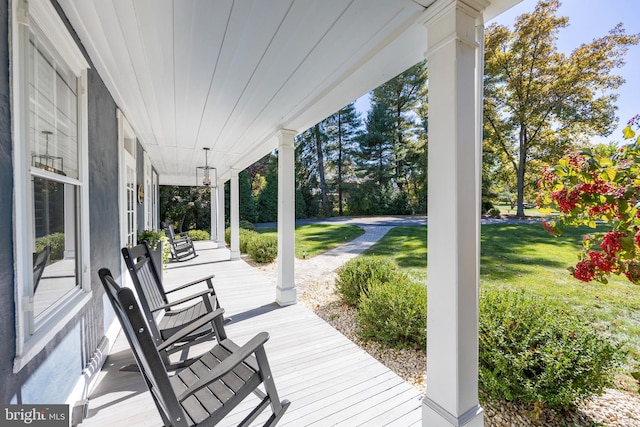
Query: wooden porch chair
{"x":203,"y":393}
{"x":180,"y":243}
{"x":176,"y":314}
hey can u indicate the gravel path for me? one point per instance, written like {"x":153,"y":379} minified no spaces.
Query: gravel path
{"x":315,"y":284}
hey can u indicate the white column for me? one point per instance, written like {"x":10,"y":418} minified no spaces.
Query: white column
{"x":220,"y":207}
{"x":454,"y":60}
{"x":214,"y":214}
{"x":235,"y":214}
{"x":286,"y":290}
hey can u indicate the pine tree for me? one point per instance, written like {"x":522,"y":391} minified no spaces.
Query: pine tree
{"x":374,"y":152}
{"x":247,"y":206}
{"x":343,"y":128}
{"x":401,"y":95}
{"x":268,"y":198}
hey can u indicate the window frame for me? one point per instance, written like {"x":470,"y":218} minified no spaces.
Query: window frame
{"x":32,"y":336}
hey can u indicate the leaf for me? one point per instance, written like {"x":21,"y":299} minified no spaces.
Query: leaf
{"x":628,"y":133}
{"x":605,"y":161}
{"x":545,"y":211}
{"x":611,"y":173}
{"x":627,"y":243}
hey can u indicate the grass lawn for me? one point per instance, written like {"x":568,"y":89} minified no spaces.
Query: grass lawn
{"x":531,"y":212}
{"x":314,"y":239}
{"x":524,"y":256}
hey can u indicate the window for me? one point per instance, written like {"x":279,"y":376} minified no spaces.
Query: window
{"x":53,"y":144}
{"x":51,"y":206}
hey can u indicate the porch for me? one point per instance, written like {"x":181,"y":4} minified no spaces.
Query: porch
{"x":328,"y":379}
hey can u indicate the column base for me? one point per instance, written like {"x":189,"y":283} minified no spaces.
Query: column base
{"x":434,"y":415}
{"x":286,"y":296}
{"x":234,"y":255}
{"x":221,"y":243}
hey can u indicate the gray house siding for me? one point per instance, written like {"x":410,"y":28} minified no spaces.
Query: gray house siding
{"x":104,"y":214}
{"x":51,"y":375}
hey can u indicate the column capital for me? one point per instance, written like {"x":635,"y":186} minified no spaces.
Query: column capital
{"x":453,"y":20}
{"x":285,"y":137}
{"x":440,"y":7}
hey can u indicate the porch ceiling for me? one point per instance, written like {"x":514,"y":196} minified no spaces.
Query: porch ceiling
{"x":229,"y":74}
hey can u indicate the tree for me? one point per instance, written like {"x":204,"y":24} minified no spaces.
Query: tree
{"x":538,"y":101}
{"x":268,"y":198}
{"x":418,"y":155}
{"x":319,"y":139}
{"x":585,"y":187}
{"x":373,"y":154}
{"x":186,"y":207}
{"x":247,"y":208}
{"x":307,"y":204}
{"x":307,"y":171}
{"x":343,"y":128}
{"x":401,"y":95}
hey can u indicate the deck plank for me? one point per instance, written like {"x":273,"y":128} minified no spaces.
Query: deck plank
{"x":328,"y":379}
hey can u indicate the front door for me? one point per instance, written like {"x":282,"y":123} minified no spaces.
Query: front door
{"x":127,"y":186}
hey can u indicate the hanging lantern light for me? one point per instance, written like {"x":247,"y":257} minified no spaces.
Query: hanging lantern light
{"x":206,"y":175}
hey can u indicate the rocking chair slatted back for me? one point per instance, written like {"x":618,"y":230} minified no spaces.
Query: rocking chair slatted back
{"x":143,"y":271}
{"x":176,"y":314}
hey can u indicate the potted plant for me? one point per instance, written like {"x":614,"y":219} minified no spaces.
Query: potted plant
{"x":159,"y":247}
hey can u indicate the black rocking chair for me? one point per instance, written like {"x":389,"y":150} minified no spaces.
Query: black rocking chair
{"x":154,"y":301}
{"x":181,"y":244}
{"x":204,"y":392}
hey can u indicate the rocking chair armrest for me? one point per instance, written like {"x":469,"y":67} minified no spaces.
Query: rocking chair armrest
{"x":182,"y":241}
{"x":181,"y":236}
{"x":192,"y":327}
{"x":183,"y":300}
{"x":228,"y":364}
{"x":195,"y":282}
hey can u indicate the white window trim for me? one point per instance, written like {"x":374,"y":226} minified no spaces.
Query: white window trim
{"x":28,"y":344}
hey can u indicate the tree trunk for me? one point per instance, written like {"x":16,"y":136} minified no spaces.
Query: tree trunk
{"x":399,"y":162}
{"x":323,"y":187}
{"x":339,"y":163}
{"x":521,"y":170}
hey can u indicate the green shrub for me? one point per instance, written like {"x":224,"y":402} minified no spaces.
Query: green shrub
{"x":199,"y":235}
{"x":56,"y":241}
{"x":494,"y":212}
{"x":540,"y":351}
{"x":394,"y":312}
{"x":354,"y":275}
{"x":245,"y":237}
{"x":262,"y":248}
{"x":247,"y":225}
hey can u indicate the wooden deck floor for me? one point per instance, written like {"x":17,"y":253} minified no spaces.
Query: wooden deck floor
{"x":328,"y":379}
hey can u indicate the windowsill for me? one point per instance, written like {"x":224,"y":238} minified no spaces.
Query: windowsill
{"x":63,"y":315}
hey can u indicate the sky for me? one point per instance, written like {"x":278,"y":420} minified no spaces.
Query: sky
{"x":588,"y":19}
